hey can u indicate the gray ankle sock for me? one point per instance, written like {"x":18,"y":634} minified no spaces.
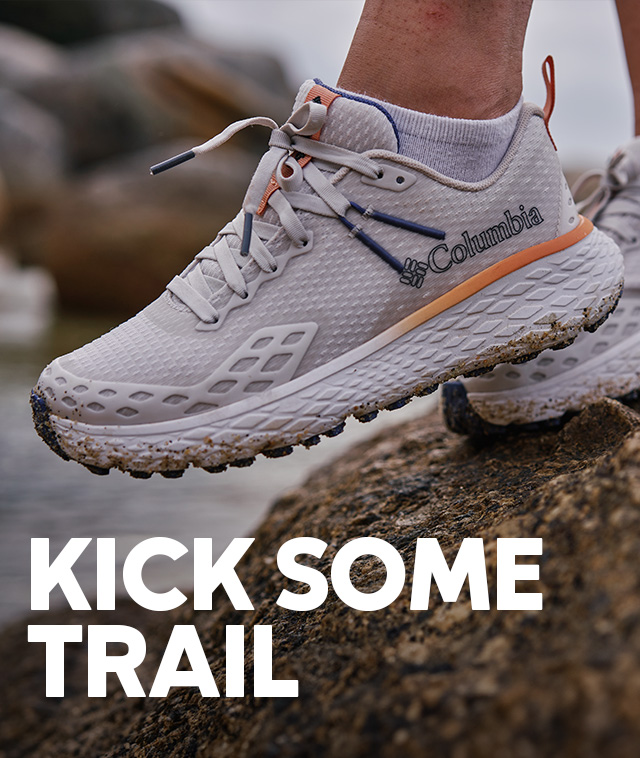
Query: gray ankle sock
{"x":465,"y":149}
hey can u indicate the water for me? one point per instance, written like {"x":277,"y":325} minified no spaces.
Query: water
{"x":43,"y":496}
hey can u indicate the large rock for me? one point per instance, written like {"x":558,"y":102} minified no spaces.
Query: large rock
{"x":125,"y":93}
{"x":69,"y":22}
{"x":450,"y":681}
{"x":24,"y":56}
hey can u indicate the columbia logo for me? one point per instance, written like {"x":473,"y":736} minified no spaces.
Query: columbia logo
{"x":441,"y":257}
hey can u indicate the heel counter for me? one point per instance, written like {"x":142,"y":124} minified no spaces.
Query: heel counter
{"x":569,"y":217}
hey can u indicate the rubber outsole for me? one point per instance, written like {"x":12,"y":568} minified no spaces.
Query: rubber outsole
{"x":459,"y":416}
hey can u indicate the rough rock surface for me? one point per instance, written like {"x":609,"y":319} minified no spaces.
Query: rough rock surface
{"x":450,"y":681}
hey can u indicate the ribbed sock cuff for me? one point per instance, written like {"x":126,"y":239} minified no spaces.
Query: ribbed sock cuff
{"x":465,"y":149}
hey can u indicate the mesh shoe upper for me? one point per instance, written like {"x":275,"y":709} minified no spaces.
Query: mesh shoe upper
{"x":337,"y":283}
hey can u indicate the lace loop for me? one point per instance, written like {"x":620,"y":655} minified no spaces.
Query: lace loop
{"x":198,"y":304}
{"x":614,"y":204}
{"x":243,"y":241}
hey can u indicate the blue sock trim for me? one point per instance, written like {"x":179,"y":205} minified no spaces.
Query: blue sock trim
{"x":362,"y":99}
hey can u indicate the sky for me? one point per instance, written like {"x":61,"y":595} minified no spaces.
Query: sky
{"x":593,"y":113}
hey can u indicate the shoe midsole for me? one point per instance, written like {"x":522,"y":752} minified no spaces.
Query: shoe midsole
{"x":572,"y":390}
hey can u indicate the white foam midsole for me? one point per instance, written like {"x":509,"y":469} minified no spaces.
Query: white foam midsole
{"x":613,"y":373}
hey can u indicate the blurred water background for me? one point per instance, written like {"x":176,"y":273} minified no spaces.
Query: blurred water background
{"x":92,"y":92}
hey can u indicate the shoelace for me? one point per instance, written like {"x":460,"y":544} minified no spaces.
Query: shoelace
{"x":278,"y":179}
{"x":614,"y":205}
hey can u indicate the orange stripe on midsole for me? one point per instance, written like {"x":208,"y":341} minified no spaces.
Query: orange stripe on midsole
{"x":492,"y":274}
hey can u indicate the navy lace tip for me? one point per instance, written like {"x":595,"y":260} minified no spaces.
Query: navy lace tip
{"x":372,"y":245}
{"x":175,"y":161}
{"x":246,"y":233}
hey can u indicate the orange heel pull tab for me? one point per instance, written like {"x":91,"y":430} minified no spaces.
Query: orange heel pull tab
{"x":549,"y":76}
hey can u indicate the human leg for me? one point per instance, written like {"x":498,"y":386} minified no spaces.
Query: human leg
{"x":450,"y":75}
{"x":629,"y":15}
{"x":458,"y":58}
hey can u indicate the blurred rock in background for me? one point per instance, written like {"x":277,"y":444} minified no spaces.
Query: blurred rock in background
{"x":69,"y":22}
{"x":92,"y":92}
{"x":116,"y":235}
{"x":26,"y":302}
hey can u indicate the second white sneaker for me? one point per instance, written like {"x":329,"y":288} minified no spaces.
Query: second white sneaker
{"x":607,"y":364}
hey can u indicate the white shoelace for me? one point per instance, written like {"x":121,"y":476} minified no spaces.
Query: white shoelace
{"x":285,"y":163}
{"x":614,"y":205}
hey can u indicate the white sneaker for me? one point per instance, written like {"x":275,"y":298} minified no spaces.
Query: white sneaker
{"x":352,"y":279}
{"x":541,"y":392}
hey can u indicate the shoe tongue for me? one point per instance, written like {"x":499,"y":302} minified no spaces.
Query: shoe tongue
{"x":353,"y":121}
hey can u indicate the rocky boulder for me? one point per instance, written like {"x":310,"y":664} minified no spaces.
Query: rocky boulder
{"x":69,"y":22}
{"x":564,"y":681}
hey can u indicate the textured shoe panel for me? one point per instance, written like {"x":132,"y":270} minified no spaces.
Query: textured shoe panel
{"x":601,"y":347}
{"x":140,"y":350}
{"x":604,"y":364}
{"x":358,"y":126}
{"x":267,"y":359}
{"x":470,"y":215}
